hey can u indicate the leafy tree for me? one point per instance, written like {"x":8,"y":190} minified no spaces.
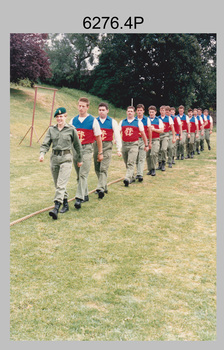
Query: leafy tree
{"x":69,"y":55}
{"x":206,"y":88}
{"x":152,"y":69}
{"x":28,"y":58}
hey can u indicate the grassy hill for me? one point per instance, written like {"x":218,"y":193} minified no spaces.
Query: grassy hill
{"x":138,"y":265}
{"x":22,"y":101}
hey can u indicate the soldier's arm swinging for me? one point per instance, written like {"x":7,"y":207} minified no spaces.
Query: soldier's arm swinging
{"x":100,"y":148}
{"x":180,"y":131}
{"x":78,"y":147}
{"x":197,"y":130}
{"x":150,"y":137}
{"x":145,"y":140}
{"x":45,"y":145}
{"x":173,"y":133}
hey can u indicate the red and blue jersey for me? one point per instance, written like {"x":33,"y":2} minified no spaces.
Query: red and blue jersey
{"x":130,"y":131}
{"x":203,"y":118}
{"x":176,"y":125}
{"x":193,"y":124}
{"x":106,"y":128}
{"x":166,"y":123}
{"x":199,"y":122}
{"x":209,"y":122}
{"x":144,"y":122}
{"x":84,"y":129}
{"x":184,"y":123}
{"x":155,"y":123}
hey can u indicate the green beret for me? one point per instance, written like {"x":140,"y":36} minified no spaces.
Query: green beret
{"x":60,"y":110}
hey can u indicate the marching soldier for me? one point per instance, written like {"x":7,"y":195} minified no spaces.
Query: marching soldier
{"x":178,"y":131}
{"x":109,"y":128}
{"x":164,"y":137}
{"x":204,"y":123}
{"x":185,"y":132}
{"x":208,"y":128}
{"x":193,"y":131}
{"x":140,"y":162}
{"x":201,"y":128}
{"x":157,"y":128}
{"x":62,"y":136}
{"x":130,"y":128}
{"x":88,"y":130}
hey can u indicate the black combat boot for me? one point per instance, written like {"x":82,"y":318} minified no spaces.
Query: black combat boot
{"x":65,"y":206}
{"x":126,"y":182}
{"x":54,"y":212}
{"x":202,"y":145}
{"x":78,"y":202}
{"x":86,"y":198}
{"x":160,"y":166}
{"x":153,"y":172}
{"x":100,"y":194}
{"x":163,"y":165}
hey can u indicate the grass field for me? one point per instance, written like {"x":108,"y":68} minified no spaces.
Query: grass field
{"x":138,"y":265}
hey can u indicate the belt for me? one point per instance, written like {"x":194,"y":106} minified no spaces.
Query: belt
{"x":61,"y":153}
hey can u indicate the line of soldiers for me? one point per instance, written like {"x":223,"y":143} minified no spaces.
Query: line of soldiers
{"x":138,"y":138}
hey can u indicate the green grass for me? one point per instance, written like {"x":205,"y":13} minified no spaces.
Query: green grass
{"x":138,"y":265}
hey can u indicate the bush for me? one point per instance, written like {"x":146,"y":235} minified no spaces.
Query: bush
{"x":25,"y":82}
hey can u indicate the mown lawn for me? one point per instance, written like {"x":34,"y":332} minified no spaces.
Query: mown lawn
{"x":138,"y":265}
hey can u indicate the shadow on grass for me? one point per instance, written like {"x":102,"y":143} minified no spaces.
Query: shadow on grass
{"x":17,"y":93}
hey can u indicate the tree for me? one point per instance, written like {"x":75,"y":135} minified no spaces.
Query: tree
{"x":153,"y":69}
{"x":206,"y":88}
{"x":28,"y":58}
{"x":69,"y":55}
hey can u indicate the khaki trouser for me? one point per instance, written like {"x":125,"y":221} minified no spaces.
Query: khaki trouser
{"x":207,"y":136}
{"x":197,"y":141}
{"x":152,"y":154}
{"x":175,"y":149}
{"x":170,"y":148}
{"x":192,"y":142}
{"x":130,"y":153}
{"x":83,"y":171}
{"x":164,"y":139}
{"x":181,"y":143}
{"x":101,"y":168}
{"x":140,"y":161}
{"x":61,"y":167}
{"x":202,"y":140}
{"x":187,"y":145}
